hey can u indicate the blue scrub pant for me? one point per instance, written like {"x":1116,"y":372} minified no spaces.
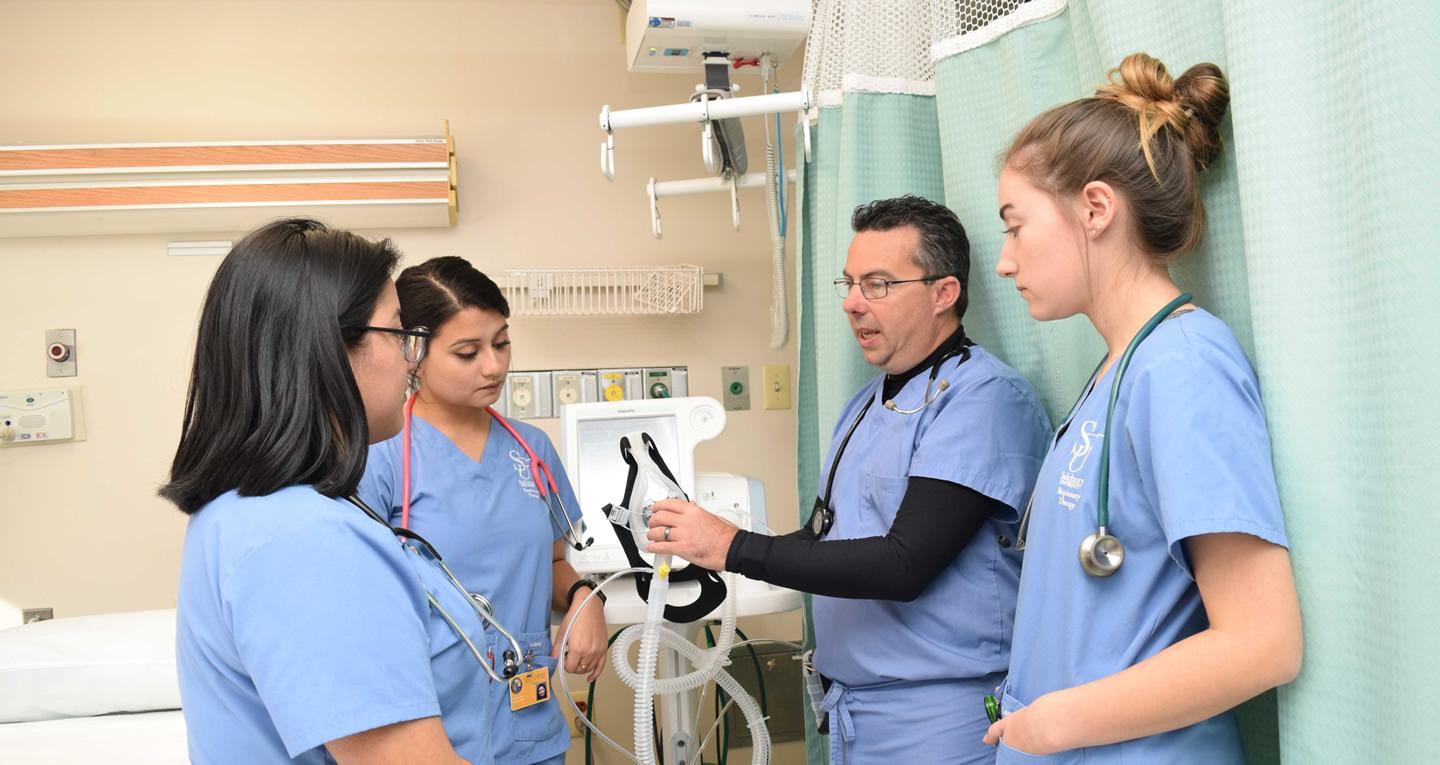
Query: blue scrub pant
{"x":929,"y":721}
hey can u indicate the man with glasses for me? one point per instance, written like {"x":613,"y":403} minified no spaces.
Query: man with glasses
{"x":908,"y":548}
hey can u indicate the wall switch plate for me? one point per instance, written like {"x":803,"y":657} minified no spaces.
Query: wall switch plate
{"x":735,"y":384}
{"x":775,"y":380}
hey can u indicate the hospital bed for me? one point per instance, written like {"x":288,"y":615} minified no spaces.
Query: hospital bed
{"x":91,"y":689}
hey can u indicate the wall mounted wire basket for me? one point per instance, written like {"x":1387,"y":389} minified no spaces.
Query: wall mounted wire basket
{"x":613,"y":291}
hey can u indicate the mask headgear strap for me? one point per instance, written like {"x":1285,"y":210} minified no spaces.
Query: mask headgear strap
{"x":634,"y":521}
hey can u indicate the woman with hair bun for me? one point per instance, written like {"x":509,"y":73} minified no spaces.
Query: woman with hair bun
{"x":1182,"y":603}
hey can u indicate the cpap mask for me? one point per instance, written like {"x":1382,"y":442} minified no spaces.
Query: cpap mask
{"x":649,"y":481}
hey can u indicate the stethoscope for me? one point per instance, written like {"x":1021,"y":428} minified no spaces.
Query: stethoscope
{"x":822,"y":515}
{"x":539,"y":472}
{"x":418,"y":545}
{"x":1101,"y":553}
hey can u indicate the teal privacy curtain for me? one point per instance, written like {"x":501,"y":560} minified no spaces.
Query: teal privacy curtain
{"x":1320,"y":254}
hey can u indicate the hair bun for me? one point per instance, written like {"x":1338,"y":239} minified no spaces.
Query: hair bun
{"x":1192,"y":105}
{"x":1141,"y":79}
{"x":1205,"y":93}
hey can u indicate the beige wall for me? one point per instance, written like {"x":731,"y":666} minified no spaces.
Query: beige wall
{"x":521,"y":83}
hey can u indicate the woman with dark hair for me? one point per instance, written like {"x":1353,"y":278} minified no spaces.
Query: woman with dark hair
{"x":473,"y":489}
{"x":306,"y":631}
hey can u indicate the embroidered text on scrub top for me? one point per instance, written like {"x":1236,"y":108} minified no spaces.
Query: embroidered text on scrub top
{"x":1068,"y":490}
{"x":522,"y":473}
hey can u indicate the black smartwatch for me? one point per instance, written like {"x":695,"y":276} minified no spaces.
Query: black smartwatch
{"x":583,"y":582}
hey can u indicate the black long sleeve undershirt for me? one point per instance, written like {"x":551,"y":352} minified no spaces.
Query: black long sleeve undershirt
{"x":935,"y":521}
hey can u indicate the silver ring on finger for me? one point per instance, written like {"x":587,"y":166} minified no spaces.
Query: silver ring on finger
{"x":666,"y":534}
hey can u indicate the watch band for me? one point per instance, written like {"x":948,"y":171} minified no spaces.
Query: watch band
{"x":583,"y":582}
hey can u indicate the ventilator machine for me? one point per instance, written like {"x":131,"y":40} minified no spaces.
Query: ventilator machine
{"x":622,"y":458}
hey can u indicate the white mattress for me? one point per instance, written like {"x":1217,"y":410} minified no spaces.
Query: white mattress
{"x":148,"y":738}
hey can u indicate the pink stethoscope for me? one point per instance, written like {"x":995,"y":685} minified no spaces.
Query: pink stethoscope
{"x":539,"y":471}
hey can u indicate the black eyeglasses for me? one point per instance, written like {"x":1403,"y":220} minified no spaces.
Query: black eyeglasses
{"x":875,"y":287}
{"x":413,"y":342}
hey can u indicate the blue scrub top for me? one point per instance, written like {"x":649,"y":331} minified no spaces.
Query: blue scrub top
{"x":302,"y":620}
{"x":488,"y":521}
{"x":988,"y":432}
{"x":1191,"y":456}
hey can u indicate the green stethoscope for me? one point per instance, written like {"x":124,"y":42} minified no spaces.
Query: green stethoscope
{"x":1101,"y":553}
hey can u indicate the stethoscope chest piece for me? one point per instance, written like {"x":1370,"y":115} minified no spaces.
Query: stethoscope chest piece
{"x":1101,"y":553}
{"x":821,"y":519}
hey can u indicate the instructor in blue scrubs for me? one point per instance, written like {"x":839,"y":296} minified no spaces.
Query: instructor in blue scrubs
{"x":907,"y":548}
{"x":1139,"y":658}
{"x":473,"y":493}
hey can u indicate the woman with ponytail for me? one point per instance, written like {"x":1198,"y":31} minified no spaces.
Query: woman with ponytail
{"x":460,"y":477}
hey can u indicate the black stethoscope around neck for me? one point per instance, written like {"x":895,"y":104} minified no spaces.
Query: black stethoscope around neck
{"x":413,"y":542}
{"x":1101,"y":553}
{"x":822,"y":515}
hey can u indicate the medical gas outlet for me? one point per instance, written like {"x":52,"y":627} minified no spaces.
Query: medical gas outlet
{"x":735,"y":383}
{"x":667,"y":382}
{"x":578,"y":386}
{"x":532,"y":394}
{"x":620,"y":385}
{"x":528,"y":395}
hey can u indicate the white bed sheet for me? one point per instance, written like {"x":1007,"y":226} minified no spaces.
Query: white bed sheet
{"x":145,"y":738}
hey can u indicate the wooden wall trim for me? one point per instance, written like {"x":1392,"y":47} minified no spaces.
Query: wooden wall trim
{"x":226,"y":194}
{"x":94,"y":158}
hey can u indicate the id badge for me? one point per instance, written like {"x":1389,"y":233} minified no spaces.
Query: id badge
{"x":529,"y":688}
